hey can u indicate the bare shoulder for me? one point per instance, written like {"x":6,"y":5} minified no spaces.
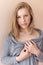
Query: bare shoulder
{"x":36,"y":33}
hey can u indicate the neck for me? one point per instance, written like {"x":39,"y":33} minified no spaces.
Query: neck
{"x":25,"y":31}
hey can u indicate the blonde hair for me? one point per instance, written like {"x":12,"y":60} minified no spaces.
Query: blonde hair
{"x":15,"y":27}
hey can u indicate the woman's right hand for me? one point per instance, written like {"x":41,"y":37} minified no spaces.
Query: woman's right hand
{"x":23,"y":55}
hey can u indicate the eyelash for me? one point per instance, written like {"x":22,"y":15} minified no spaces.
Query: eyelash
{"x":20,"y":17}
{"x":26,"y":15}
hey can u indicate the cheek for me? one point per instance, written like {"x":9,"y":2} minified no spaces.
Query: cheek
{"x":18,"y":20}
{"x":28,"y":20}
{"x":19,"y":23}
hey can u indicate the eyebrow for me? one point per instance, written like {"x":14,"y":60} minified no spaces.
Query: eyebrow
{"x":18,"y":16}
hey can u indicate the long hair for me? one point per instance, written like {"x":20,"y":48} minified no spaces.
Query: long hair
{"x":15,"y":27}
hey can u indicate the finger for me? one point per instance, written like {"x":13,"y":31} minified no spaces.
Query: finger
{"x":33,"y":42}
{"x":27,"y":43}
{"x":30,"y":43}
{"x":26,"y":46}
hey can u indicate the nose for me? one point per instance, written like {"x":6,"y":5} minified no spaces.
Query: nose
{"x":23,"y":19}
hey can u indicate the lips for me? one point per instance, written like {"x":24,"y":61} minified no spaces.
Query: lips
{"x":24,"y":24}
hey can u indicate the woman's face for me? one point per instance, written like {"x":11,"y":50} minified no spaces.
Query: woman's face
{"x":23,"y":18}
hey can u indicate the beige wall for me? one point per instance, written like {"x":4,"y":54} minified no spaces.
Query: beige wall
{"x":6,"y":9}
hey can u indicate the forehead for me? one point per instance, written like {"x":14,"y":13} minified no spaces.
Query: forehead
{"x":22,"y":11}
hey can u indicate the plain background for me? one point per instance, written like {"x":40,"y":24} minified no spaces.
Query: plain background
{"x":6,"y":9}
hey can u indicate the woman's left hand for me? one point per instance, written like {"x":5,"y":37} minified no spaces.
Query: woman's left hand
{"x":32,"y":47}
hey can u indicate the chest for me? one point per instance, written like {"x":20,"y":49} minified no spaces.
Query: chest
{"x":27,"y":38}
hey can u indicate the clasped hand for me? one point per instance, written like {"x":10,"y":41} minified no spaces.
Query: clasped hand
{"x":29,"y":49}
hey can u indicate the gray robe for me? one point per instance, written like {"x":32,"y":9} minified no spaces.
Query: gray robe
{"x":12,"y":48}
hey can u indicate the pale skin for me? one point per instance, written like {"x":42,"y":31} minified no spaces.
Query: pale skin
{"x":23,"y":19}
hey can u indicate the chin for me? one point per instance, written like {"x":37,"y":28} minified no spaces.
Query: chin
{"x":24,"y":27}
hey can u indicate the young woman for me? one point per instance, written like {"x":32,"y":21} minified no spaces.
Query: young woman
{"x":24,"y":45}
